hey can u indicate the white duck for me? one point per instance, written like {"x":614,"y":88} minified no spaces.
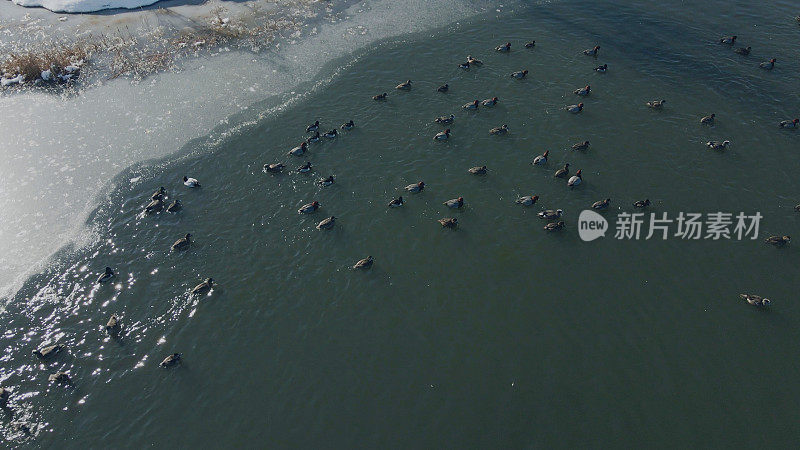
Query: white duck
{"x":418,"y":187}
{"x":309,"y":208}
{"x":575,"y":179}
{"x":575,"y":109}
{"x":584,"y":91}
{"x":299,"y":150}
{"x":768,"y":65}
{"x":442,"y":135}
{"x":541,"y":159}
{"x":789,"y":123}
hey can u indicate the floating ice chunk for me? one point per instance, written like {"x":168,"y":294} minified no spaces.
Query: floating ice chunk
{"x":47,"y":75}
{"x":9,"y":81}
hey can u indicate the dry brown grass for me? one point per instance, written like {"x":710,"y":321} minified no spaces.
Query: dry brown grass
{"x":31,"y":63}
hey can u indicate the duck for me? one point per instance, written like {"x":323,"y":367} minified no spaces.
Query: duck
{"x":527,"y":200}
{"x":554,"y":226}
{"x":305,"y":168}
{"x":348,"y":125}
{"x":755,"y":300}
{"x":443,"y":88}
{"x":309,"y":208}
{"x":49,"y":351}
{"x":575,"y":179}
{"x":442,"y":135}
{"x":464,"y":65}
{"x":656,"y":104}
{"x":396,"y":202}
{"x":327,"y":224}
{"x":728,"y":40}
{"x":575,"y":109}
{"x":154,"y":206}
{"x":273,"y":168}
{"x":550,"y":214}
{"x":584,"y":91}
{"x":114,"y":325}
{"x":331,"y":134}
{"x":789,"y":123}
{"x":474,"y":61}
{"x":445,"y":119}
{"x":541,"y":159}
{"x":768,"y":65}
{"x":581,"y":145}
{"x":778,"y":241}
{"x":106,"y":276}
{"x":454,"y":202}
{"x":171,"y":360}
{"x":449,"y":222}
{"x":641,"y":203}
{"x":708,"y":120}
{"x":716,"y":145}
{"x":379,"y":97}
{"x":504,"y":48}
{"x":191,"y":182}
{"x":601,"y":204}
{"x":592,"y":51}
{"x":299,"y":150}
{"x":499,"y":130}
{"x":175,"y":206}
{"x":472,"y":105}
{"x":744,"y":51}
{"x":519,"y":74}
{"x":418,"y":187}
{"x":530,"y":44}
{"x":60,"y":377}
{"x":797,"y":208}
{"x":314,"y":138}
{"x":562,"y":172}
{"x":364,"y":264}
{"x":478,"y":170}
{"x":204,"y":287}
{"x":325,"y":182}
{"x":313,"y":127}
{"x":601,"y":69}
{"x":490,"y":101}
{"x":182,"y":243}
{"x":406,"y":85}
{"x":158,"y":194}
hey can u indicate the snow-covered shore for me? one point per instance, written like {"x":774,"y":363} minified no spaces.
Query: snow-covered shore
{"x":84,"y":6}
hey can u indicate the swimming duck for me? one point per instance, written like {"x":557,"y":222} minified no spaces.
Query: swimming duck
{"x":309,"y":208}
{"x":499,"y":130}
{"x":478,"y":170}
{"x":442,"y":135}
{"x":601,"y":204}
{"x":159,"y":194}
{"x":789,"y":123}
{"x":641,"y":203}
{"x":727,"y":40}
{"x":204,"y":287}
{"x":575,"y":109}
{"x":755,"y":300}
{"x":49,"y":351}
{"x":348,"y":125}
{"x":449,"y":222}
{"x":768,"y":65}
{"x":708,"y":120}
{"x":60,"y":377}
{"x":364,"y":264}
{"x":530,"y":44}
{"x":716,"y":145}
{"x":416,"y":187}
{"x":455,"y":202}
{"x":550,"y":214}
{"x":464,"y":65}
{"x":331,"y":134}
{"x":584,"y":91}
{"x":504,"y":48}
{"x":797,"y":207}
{"x":554,"y":226}
{"x":327,"y":224}
{"x":326,"y":181}
{"x":191,"y":182}
{"x":299,"y":150}
{"x":396,"y":202}
{"x":575,"y":179}
{"x":519,"y":74}
{"x":490,"y":101}
{"x":527,"y":200}
{"x":175,"y":206}
{"x":541,"y":159}
{"x":445,"y":119}
{"x":601,"y":69}
{"x":305,"y":168}
{"x":474,"y":61}
{"x":778,"y":241}
{"x":443,"y":88}
{"x":171,"y":360}
{"x":744,"y":51}
{"x":114,"y":325}
{"x":562,"y":172}
{"x":183,"y":243}
{"x":656,"y":104}
{"x":154,"y":206}
{"x":107,"y":275}
{"x":314,"y":138}
{"x":592,"y":51}
{"x":379,"y":97}
{"x":273,"y":168}
{"x":313,"y":127}
{"x":404,"y":86}
{"x":581,"y":145}
{"x":473,"y":105}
